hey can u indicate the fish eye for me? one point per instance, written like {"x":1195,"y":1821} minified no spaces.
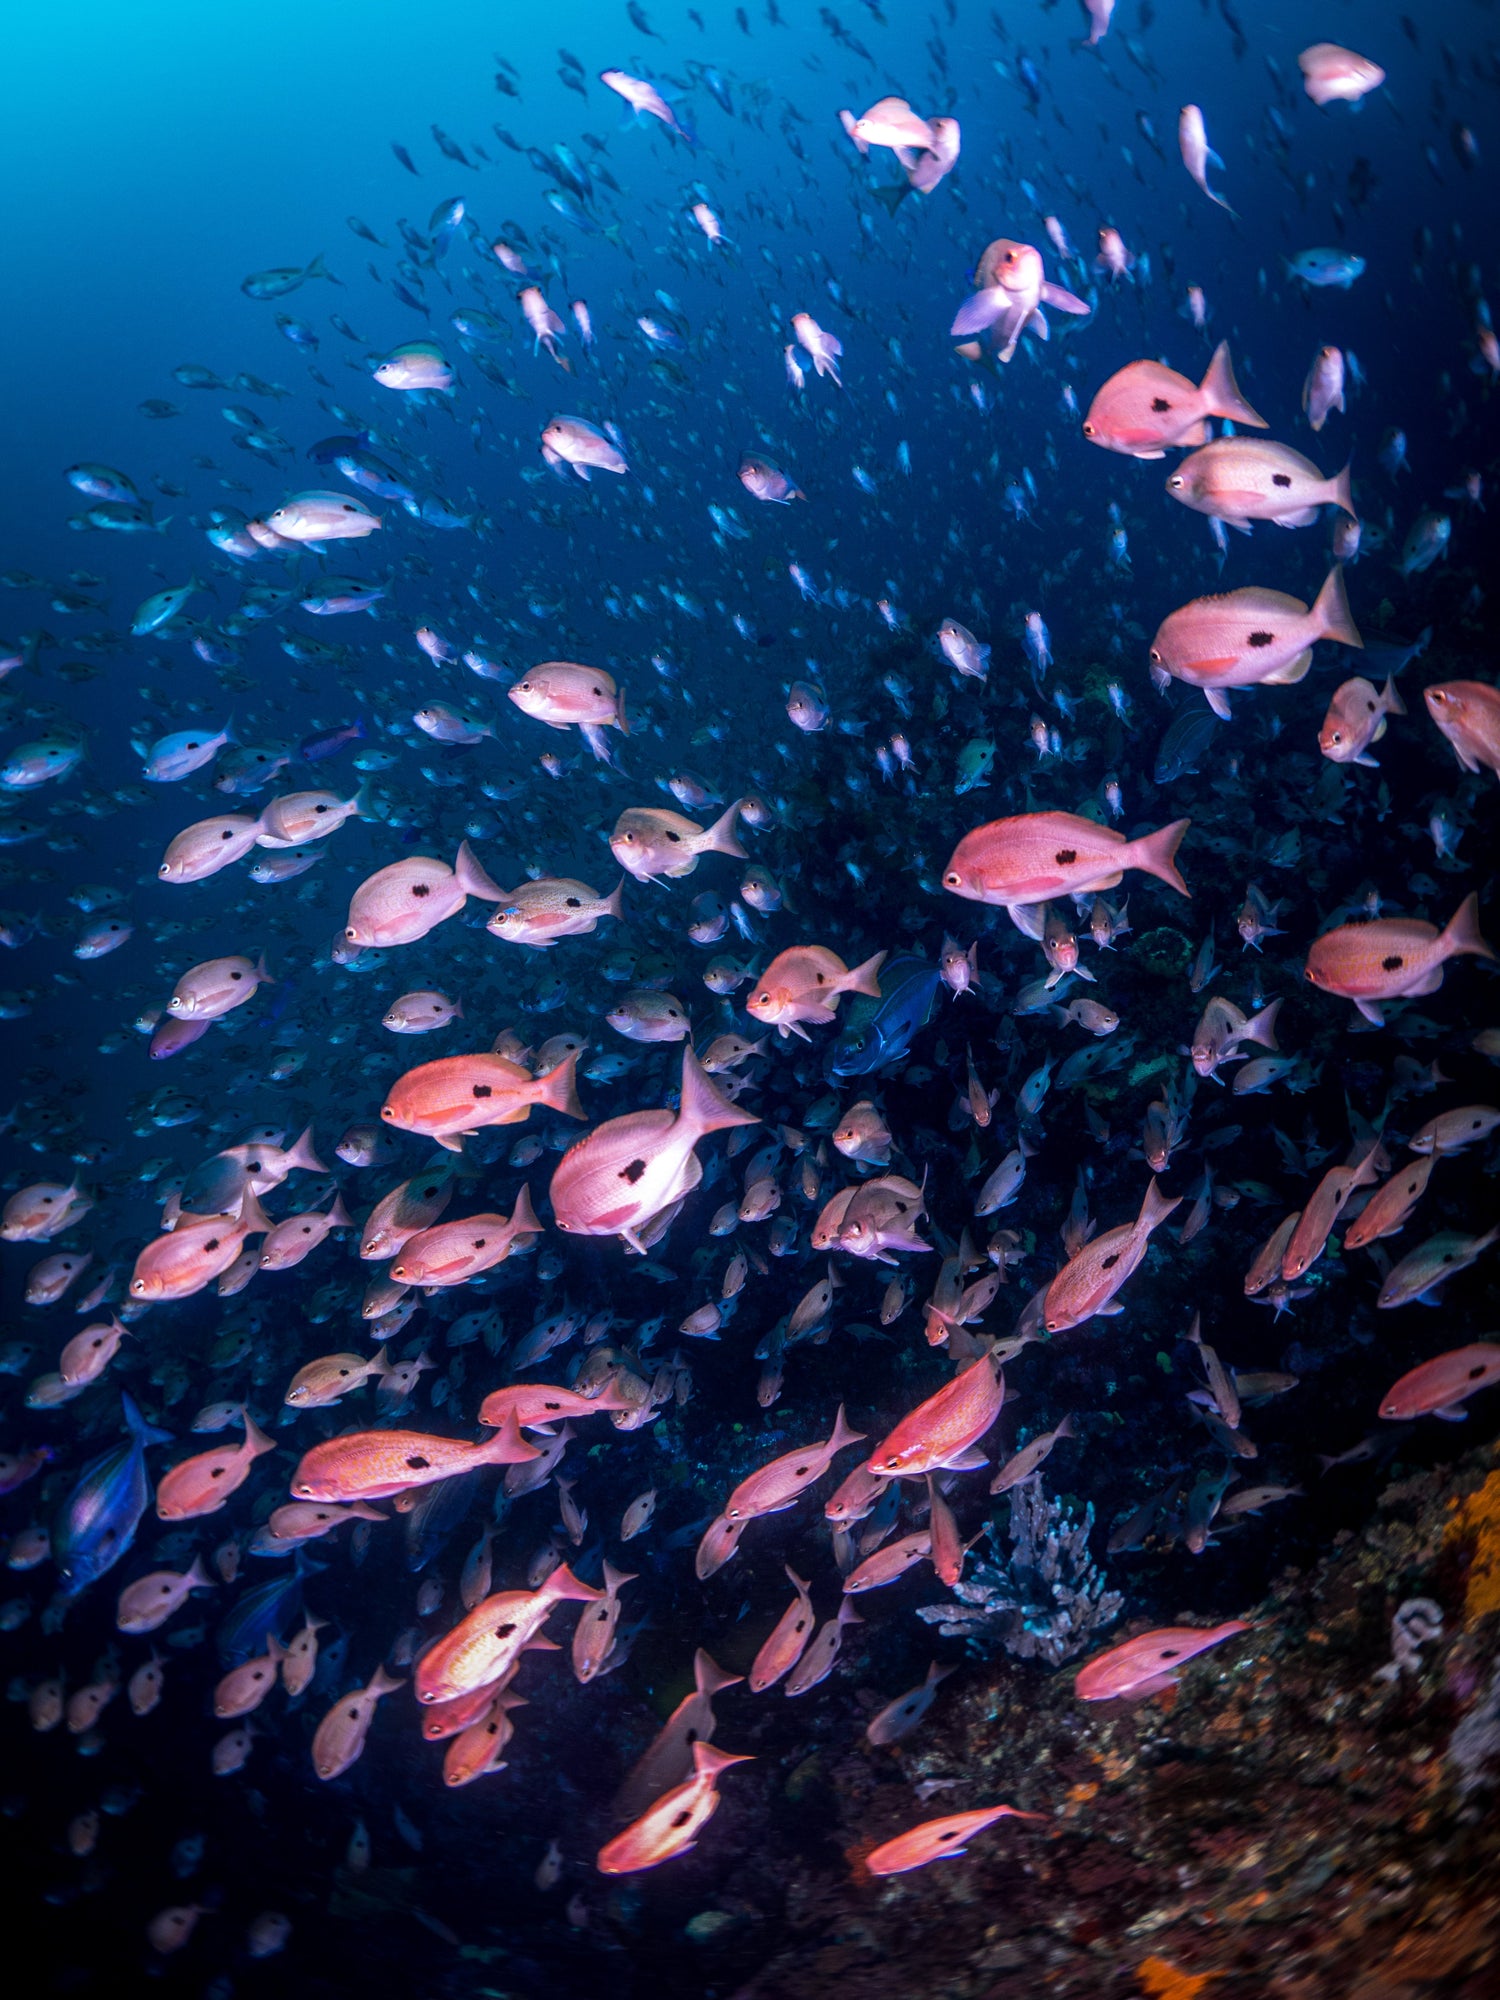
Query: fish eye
{"x":1156,"y":659}
{"x":953,"y":878}
{"x":1088,"y":430}
{"x":1174,"y":484}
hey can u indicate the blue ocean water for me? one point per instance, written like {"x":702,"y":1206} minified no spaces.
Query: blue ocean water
{"x":157,"y":163}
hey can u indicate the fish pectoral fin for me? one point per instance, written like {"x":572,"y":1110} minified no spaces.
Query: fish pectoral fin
{"x":968,"y":1460}
{"x":1294,"y":670}
{"x":1109,"y":1310}
{"x":1372,"y":1012}
{"x":1303,"y":518}
{"x":1218,"y":701}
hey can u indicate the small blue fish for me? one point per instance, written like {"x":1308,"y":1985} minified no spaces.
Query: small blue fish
{"x":882,"y":1032}
{"x":329,"y":742}
{"x":97,"y":1522}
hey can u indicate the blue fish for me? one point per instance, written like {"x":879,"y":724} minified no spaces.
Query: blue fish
{"x":433,"y":1519}
{"x":1184,"y":744}
{"x":269,"y":1608}
{"x":97,"y":1522}
{"x":882,"y":1031}
{"x":329,"y":742}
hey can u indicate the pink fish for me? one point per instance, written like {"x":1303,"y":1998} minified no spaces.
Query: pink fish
{"x":1439,"y":1388}
{"x":1148,"y":1663}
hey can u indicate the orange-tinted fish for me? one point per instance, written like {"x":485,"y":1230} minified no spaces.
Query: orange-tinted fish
{"x":455,"y":1096}
{"x":1148,"y":1663}
{"x":1441,"y":1387}
{"x":340,"y":1736}
{"x":1036,"y":856}
{"x":452,"y":1252}
{"x":1389,"y":1208}
{"x":402,"y":902}
{"x":672,"y":1825}
{"x":1145,"y":408}
{"x":1393,"y":958}
{"x":1468,"y":714}
{"x":1087,"y":1283}
{"x":774,"y":1487}
{"x":946,"y":1429}
{"x":936,"y":1839}
{"x":374,"y":1465}
{"x":629,"y":1169}
{"x":485,"y":1645}
{"x":787,"y":1640}
{"x":202,"y":1485}
{"x":805,"y":984}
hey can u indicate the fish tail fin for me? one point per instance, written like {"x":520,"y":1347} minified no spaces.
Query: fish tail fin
{"x":702,"y":1105}
{"x":842,"y":1434}
{"x":256,"y":1441}
{"x":709,"y":1760}
{"x":710,"y":1678}
{"x":564,"y":1585}
{"x":384,"y":1683}
{"x":1462,"y":933}
{"x":798,"y":1584}
{"x":507,"y":1446}
{"x":1261,"y":1027}
{"x":892,"y":196}
{"x":380,"y":1361}
{"x":865,"y":978}
{"x":472,"y":878}
{"x":558,"y":1088}
{"x":1343,"y":494}
{"x":1221,"y":392}
{"x":318,"y":269}
{"x":720,"y":839}
{"x":1156,"y":853}
{"x":622,"y":720}
{"x":1331,"y":615}
{"x":304,"y":1155}
{"x":1156,"y":1207}
{"x":262,"y":971}
{"x":339,"y":1216}
{"x":359,"y":805}
{"x":253,"y":1220}
{"x":523,"y":1217}
{"x":614,"y":902}
{"x":1390,"y":700}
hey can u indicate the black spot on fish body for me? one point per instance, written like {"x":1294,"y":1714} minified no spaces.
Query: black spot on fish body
{"x":633,"y":1172}
{"x":1261,"y":639}
{"x":1066,"y":856}
{"x":421,"y":888}
{"x":416,"y":1463}
{"x":1281,"y":479}
{"x":483,"y":1090}
{"x":1159,"y":404}
{"x":1392,"y":964}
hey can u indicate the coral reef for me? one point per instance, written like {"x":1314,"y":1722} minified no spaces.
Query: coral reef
{"x":1046,"y":1600}
{"x":1284,"y":1825}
